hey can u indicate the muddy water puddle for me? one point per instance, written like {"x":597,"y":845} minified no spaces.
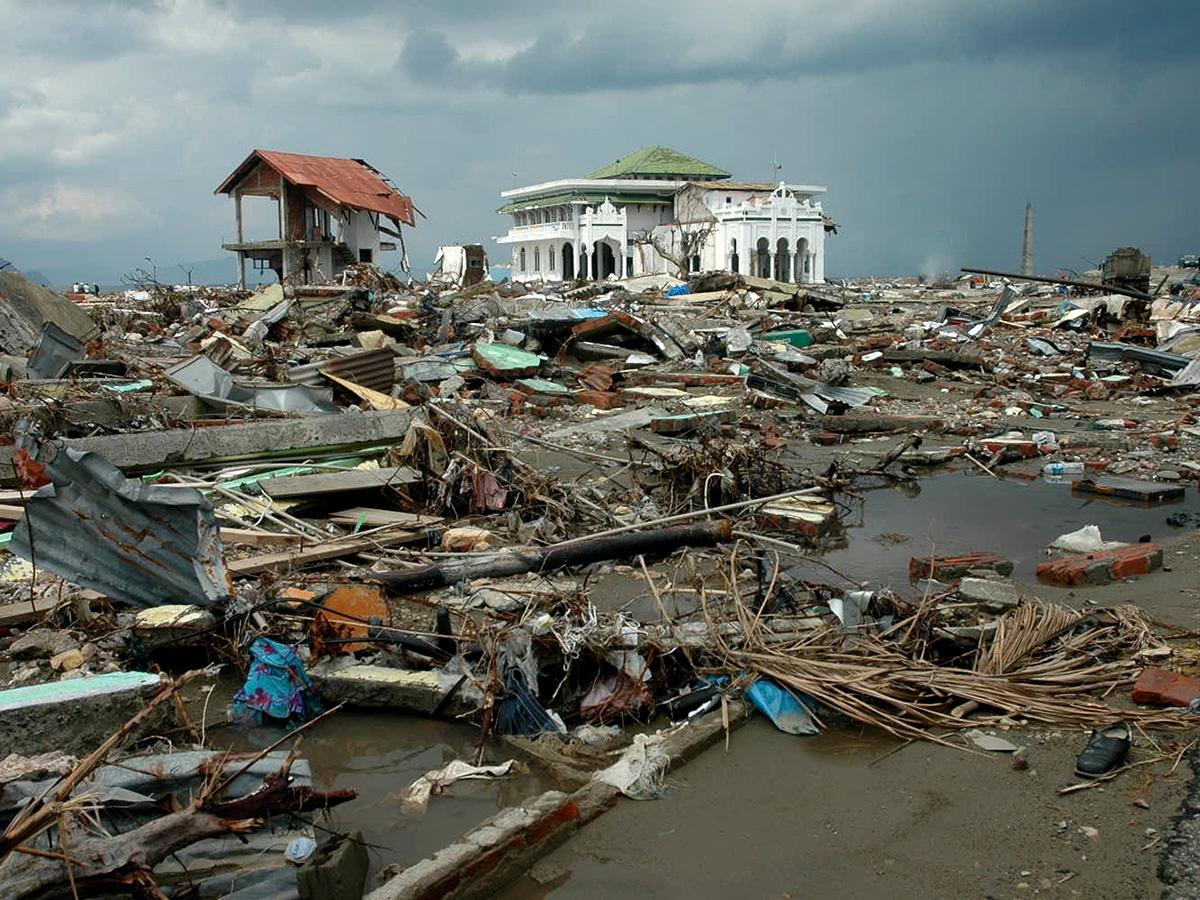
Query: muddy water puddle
{"x":378,"y":754}
{"x":963,"y":511}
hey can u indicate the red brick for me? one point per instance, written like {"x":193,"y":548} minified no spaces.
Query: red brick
{"x":1160,"y":687}
{"x":953,"y":567}
{"x":1103,"y":566}
{"x":681,"y":379}
{"x":599,"y":399}
{"x":1026,"y":449}
{"x":829,"y":438}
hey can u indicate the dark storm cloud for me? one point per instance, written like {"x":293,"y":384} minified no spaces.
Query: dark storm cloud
{"x":656,"y":47}
{"x":932,"y":121}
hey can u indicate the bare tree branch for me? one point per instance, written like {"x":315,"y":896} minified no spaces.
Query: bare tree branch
{"x":691,"y":240}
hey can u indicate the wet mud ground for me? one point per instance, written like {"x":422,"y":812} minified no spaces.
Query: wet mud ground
{"x":855,"y":814}
{"x":850,"y":813}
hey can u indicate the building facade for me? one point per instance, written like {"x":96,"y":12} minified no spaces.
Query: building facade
{"x":331,"y":211}
{"x":661,"y":211}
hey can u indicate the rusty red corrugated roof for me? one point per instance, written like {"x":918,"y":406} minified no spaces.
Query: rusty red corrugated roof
{"x":348,"y":182}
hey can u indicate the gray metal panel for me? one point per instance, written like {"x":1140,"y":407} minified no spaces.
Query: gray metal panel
{"x":205,"y":379}
{"x":55,"y":350}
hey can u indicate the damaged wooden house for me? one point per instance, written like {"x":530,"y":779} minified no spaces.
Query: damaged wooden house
{"x":332,"y":212}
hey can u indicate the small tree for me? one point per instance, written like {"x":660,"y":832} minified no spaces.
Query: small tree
{"x":678,"y":253}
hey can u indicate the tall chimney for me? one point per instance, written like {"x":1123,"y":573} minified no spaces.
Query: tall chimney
{"x":1027,"y":244}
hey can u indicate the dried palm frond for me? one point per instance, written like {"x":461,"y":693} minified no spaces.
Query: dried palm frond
{"x":1044,"y":665}
{"x":1022,"y":631}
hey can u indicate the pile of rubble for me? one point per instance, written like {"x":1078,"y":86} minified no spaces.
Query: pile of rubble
{"x":406,"y":495}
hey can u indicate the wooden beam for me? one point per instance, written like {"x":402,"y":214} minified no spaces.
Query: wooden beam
{"x":283,"y":561}
{"x":251,"y":538}
{"x":374,"y":518}
{"x":297,"y":486}
{"x":20,"y":613}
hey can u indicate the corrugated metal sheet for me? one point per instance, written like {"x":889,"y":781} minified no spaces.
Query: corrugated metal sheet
{"x":137,"y":543}
{"x":204,"y":378}
{"x":348,"y":182}
{"x":375,"y":369}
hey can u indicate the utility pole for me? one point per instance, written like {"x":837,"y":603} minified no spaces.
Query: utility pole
{"x":1027,"y":244}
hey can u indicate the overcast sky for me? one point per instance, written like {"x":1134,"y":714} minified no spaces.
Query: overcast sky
{"x":932,"y":122}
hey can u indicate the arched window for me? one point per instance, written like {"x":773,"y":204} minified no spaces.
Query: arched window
{"x":537,"y":259}
{"x":522,"y":259}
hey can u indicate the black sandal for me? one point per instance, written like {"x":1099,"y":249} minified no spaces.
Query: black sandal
{"x":1105,"y":751}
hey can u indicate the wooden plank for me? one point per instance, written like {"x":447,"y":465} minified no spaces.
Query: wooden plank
{"x":377,"y":399}
{"x":23,"y":612}
{"x":284,"y":560}
{"x":251,"y":538}
{"x":1128,"y":489}
{"x":375,"y":518}
{"x":11,"y":512}
{"x":295,"y":486}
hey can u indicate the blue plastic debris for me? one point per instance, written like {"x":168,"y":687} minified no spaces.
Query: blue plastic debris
{"x":299,"y":849}
{"x":782,"y":708}
{"x":519,"y":711}
{"x":678,"y":290}
{"x":277,"y":686}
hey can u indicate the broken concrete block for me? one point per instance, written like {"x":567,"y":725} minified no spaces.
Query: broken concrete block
{"x":997,"y":596}
{"x":407,"y":690}
{"x":337,"y":871}
{"x":171,"y":622}
{"x":67,"y":660}
{"x":74,"y":716}
{"x":41,"y":644}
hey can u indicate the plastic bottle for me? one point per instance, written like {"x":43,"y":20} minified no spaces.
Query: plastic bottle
{"x":1063,"y":468}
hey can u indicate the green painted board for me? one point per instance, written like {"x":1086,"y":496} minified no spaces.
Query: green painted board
{"x":76,"y":689}
{"x":797,"y":337}
{"x":541,"y":386}
{"x":501,"y":359}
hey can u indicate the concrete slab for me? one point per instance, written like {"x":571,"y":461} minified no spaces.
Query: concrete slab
{"x":995,"y":595}
{"x":151,"y":450}
{"x":171,"y":622}
{"x":404,"y":690}
{"x":73,"y":716}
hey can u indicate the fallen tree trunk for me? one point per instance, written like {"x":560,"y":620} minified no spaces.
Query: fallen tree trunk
{"x":124,"y":861}
{"x":578,"y":552}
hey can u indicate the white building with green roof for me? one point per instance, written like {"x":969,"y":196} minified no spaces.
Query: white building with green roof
{"x":659,"y":210}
